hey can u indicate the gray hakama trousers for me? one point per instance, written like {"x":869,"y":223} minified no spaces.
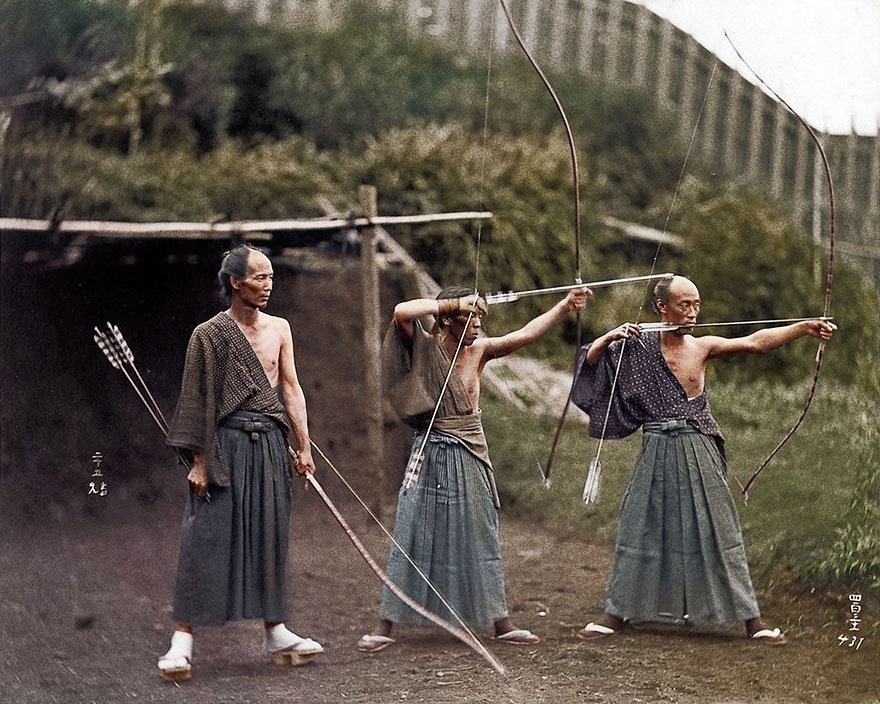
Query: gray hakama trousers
{"x":233,"y":549}
{"x":680,"y":554}
{"x":448,"y":524}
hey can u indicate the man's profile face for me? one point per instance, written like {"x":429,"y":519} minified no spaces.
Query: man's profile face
{"x":255,"y":288}
{"x":683,"y":306}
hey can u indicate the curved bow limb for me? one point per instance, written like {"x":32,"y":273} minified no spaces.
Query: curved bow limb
{"x":829,"y":274}
{"x":464,"y":636}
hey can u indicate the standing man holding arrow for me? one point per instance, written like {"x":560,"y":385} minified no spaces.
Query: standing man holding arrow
{"x":239,"y":397}
{"x":680,"y":556}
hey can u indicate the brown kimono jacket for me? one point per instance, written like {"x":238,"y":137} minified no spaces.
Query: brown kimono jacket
{"x":222,"y":374}
{"x":413,"y":376}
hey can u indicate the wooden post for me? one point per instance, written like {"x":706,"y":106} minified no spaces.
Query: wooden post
{"x":372,"y":352}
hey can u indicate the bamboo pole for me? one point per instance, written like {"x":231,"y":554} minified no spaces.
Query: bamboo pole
{"x":223,"y":230}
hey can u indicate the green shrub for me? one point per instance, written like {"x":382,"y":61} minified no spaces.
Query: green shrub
{"x":853,"y":561}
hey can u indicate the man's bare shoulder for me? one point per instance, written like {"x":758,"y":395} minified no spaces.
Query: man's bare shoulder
{"x":708,"y":345}
{"x":275,"y":322}
{"x":482,"y":348}
{"x":482,"y":344}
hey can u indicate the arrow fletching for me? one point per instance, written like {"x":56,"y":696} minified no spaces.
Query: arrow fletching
{"x":591,"y":486}
{"x":104,"y":345}
{"x":413,"y":469}
{"x":117,"y":334}
{"x":545,"y":480}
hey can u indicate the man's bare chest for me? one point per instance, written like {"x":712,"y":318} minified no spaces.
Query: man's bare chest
{"x":467,"y":372}
{"x":687,"y":367}
{"x":267,"y":348}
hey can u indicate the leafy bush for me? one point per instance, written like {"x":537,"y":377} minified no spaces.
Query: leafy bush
{"x":854,"y":558}
{"x":229,"y":183}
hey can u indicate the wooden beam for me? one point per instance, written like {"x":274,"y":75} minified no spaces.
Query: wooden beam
{"x":372,"y":352}
{"x":224,"y":230}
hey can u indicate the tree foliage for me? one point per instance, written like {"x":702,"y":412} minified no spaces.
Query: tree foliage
{"x":751,"y":263}
{"x":234,"y":119}
{"x":57,"y":39}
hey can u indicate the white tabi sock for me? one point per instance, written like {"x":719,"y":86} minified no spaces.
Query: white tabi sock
{"x":280,"y":638}
{"x":180,"y":652}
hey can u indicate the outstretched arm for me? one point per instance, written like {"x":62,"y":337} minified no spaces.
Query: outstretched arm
{"x":537,"y":327}
{"x":294,"y":400}
{"x":765,"y":340}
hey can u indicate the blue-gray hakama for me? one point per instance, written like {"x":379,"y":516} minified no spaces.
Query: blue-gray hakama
{"x":233,"y":549}
{"x":680,"y":555}
{"x":448,"y":524}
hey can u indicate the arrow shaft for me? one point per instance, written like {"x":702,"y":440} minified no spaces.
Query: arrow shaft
{"x":509,"y":297}
{"x":118,"y":362}
{"x":128,"y":355}
{"x":663,"y":327}
{"x":112,"y":349}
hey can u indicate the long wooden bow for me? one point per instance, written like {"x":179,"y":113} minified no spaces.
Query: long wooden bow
{"x":829,"y":275}
{"x":545,"y":471}
{"x":465,"y":635}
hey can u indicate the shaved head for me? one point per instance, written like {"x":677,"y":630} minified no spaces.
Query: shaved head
{"x":676,"y":284}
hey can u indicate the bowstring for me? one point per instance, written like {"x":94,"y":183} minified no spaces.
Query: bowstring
{"x":481,"y":191}
{"x":481,"y":183}
{"x":649,"y":288}
{"x":419,"y":455}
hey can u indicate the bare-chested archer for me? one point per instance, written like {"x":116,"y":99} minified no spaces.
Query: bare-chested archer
{"x":239,"y":398}
{"x":679,"y":556}
{"x":448,"y":521}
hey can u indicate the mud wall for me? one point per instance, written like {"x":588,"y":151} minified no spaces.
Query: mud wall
{"x":62,"y":402}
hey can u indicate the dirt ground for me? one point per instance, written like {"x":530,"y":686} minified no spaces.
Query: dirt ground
{"x":85,"y":613}
{"x":85,"y":581}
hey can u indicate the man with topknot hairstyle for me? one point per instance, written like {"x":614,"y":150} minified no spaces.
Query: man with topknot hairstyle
{"x":448,"y":521}
{"x":239,"y":398}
